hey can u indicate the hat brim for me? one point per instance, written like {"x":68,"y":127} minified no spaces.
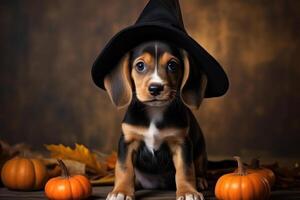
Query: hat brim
{"x":130,"y":37}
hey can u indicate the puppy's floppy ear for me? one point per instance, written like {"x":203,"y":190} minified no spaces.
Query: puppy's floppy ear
{"x":118,"y":83}
{"x":193,"y":85}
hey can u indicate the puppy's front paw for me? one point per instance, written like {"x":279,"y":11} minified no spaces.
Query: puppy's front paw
{"x":191,"y":196}
{"x":119,"y":196}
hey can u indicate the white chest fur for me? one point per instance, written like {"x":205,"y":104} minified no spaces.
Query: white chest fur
{"x":152,"y":137}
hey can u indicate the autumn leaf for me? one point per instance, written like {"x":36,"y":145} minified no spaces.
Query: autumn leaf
{"x":106,"y":180}
{"x":81,"y":154}
{"x":111,"y":160}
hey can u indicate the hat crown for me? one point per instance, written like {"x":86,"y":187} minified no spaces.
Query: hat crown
{"x":160,"y":20}
{"x":162,"y":11}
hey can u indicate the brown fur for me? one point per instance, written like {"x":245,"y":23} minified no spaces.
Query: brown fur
{"x":185,"y":175}
{"x":119,"y":87}
{"x":192,"y":96}
{"x":124,"y":173}
{"x":137,"y":133}
{"x":143,"y":80}
{"x":118,"y":84}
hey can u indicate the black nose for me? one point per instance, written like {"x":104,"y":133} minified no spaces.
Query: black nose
{"x":155,"y":89}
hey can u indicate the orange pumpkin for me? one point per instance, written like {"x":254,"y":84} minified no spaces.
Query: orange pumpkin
{"x":68,"y":187}
{"x":267,"y":173}
{"x":242,"y":185}
{"x":24,"y":174}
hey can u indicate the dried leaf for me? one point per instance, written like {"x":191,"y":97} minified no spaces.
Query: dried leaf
{"x":53,"y":171}
{"x":80,"y":153}
{"x":106,"y":180}
{"x":111,"y":160}
{"x":13,"y":150}
{"x":75,"y":167}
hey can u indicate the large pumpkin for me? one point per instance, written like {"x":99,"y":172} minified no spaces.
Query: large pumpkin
{"x":24,"y":174}
{"x":68,"y":187}
{"x":242,"y":185}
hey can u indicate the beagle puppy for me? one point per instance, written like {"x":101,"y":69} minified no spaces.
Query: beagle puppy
{"x":161,"y":145}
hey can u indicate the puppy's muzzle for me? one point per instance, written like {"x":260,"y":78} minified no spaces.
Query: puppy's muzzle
{"x":155,"y":89}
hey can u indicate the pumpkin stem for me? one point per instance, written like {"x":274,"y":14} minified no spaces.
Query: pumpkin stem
{"x":64,"y":169}
{"x":241,"y":167}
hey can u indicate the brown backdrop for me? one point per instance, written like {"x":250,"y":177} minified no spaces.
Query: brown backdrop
{"x":48,"y":47}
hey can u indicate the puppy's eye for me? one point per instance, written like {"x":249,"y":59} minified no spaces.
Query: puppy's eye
{"x":172,"y":66}
{"x":140,"y":66}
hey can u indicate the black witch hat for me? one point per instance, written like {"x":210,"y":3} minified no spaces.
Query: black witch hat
{"x":160,"y":20}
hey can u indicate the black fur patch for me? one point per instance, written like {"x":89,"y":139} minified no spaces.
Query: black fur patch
{"x":122,"y":150}
{"x":160,"y":161}
{"x":137,"y":113}
{"x":187,"y":152}
{"x":175,"y":115}
{"x":149,"y":47}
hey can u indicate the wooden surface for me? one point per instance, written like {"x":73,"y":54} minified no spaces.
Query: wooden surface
{"x":101,"y":192}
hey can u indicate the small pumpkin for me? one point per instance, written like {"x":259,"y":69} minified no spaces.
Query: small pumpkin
{"x":242,"y":185}
{"x":21,"y":173}
{"x":68,"y":187}
{"x":267,"y":173}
